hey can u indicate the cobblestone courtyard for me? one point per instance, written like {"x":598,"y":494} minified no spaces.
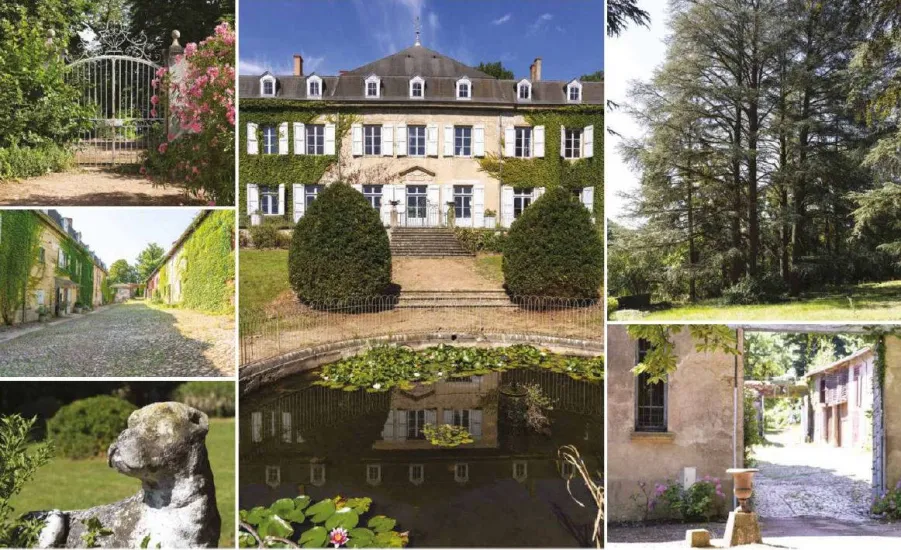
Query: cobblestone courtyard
{"x":130,"y":339}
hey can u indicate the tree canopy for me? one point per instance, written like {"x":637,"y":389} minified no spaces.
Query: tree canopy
{"x":496,"y":69}
{"x":148,"y":260}
{"x":621,"y":12}
{"x":122,"y":272}
{"x":597,"y":76}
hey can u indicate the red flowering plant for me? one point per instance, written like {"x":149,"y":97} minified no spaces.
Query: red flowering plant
{"x":198,"y":93}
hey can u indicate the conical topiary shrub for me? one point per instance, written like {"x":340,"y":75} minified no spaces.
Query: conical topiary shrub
{"x":554,"y":250}
{"x":339,"y":252}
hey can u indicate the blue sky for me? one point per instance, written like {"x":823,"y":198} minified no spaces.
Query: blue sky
{"x":115,"y":233}
{"x":334,"y":35}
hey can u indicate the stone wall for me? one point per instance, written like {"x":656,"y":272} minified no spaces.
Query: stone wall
{"x":701,"y":423}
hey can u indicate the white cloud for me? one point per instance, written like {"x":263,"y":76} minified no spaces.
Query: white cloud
{"x":391,"y":23}
{"x":433,"y":22}
{"x":503,"y":19}
{"x":540,"y":24}
{"x":257,"y":66}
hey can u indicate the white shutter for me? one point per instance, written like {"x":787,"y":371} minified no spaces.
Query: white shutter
{"x":281,"y":200}
{"x":283,"y":138}
{"x":400,"y":430}
{"x":448,"y":416}
{"x":253,"y":198}
{"x":588,"y":198}
{"x":387,"y":140}
{"x":431,"y":416}
{"x":298,"y":199}
{"x":401,"y":140}
{"x":448,"y":141}
{"x":475,"y":423}
{"x":388,"y":430}
{"x":588,"y":136}
{"x":432,"y":140}
{"x":329,"y":139}
{"x":358,"y":187}
{"x":286,"y":427}
{"x":509,"y":141}
{"x":400,"y":195}
{"x":478,"y":140}
{"x":256,"y":426}
{"x":448,"y":195}
{"x":387,"y":197}
{"x":562,"y":139}
{"x":433,"y":196}
{"x":478,"y":205}
{"x":506,"y":205}
{"x":300,"y":138}
{"x":357,"y":131}
{"x":538,"y":142}
{"x":536,"y":193}
{"x":253,"y":140}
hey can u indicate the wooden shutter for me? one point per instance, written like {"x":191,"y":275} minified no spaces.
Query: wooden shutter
{"x":506,"y":205}
{"x":253,"y":199}
{"x":357,"y":132}
{"x":478,"y":205}
{"x":389,"y":430}
{"x":400,"y":430}
{"x":253,"y":140}
{"x":300,"y":139}
{"x":387,"y":140}
{"x":448,"y":416}
{"x":358,"y":187}
{"x":536,"y":193}
{"x":538,"y":142}
{"x":431,"y":140}
{"x":475,"y":423}
{"x":387,"y":197}
{"x":431,"y":416}
{"x":509,"y":141}
{"x":329,"y":139}
{"x":281,"y":200}
{"x":588,"y":138}
{"x":298,"y":199}
{"x":283,"y":138}
{"x":588,"y":198}
{"x":562,"y":140}
{"x":448,"y":140}
{"x":401,"y":140}
{"x":478,"y":140}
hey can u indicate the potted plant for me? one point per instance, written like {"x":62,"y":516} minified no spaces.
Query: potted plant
{"x":43,"y":314}
{"x":77,"y":307}
{"x":490,"y":219}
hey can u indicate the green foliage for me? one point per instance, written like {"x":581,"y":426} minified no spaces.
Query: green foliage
{"x":122,"y":272}
{"x":621,"y":12}
{"x":19,"y":243}
{"x":340,"y":249}
{"x":888,"y":505}
{"x":384,"y":368}
{"x":553,"y":249}
{"x":25,"y":162}
{"x":496,"y":69}
{"x":314,"y":525}
{"x":194,"y":20}
{"x":266,"y":235}
{"x":208,"y":279}
{"x":879,"y":213}
{"x":481,"y":240}
{"x":80,"y":268}
{"x":446,"y":435}
{"x":148,"y":260}
{"x":764,"y":289}
{"x":700,"y":502}
{"x":752,"y":435}
{"x":597,"y":76}
{"x":216,"y":399}
{"x":767,"y":355}
{"x":612,"y":305}
{"x":94,"y":531}
{"x":86,"y":428}
{"x":661,"y":359}
{"x":106,"y":291}
{"x":19,"y":460}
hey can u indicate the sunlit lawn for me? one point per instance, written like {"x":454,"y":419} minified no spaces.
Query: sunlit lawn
{"x":489,"y":266}
{"x":864,"y":302}
{"x":76,"y":484}
{"x":264,"y":276}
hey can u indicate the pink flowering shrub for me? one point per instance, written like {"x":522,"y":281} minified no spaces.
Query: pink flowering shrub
{"x":700,"y":502}
{"x":198,"y":94}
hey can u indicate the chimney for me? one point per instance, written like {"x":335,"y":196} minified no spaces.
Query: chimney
{"x":532,"y":72}
{"x":298,"y":65}
{"x":536,"y":75}
{"x":67,"y":224}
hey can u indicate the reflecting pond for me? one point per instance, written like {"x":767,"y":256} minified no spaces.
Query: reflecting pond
{"x":505,"y":489}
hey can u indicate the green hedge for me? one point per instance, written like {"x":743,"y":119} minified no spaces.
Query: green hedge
{"x":554,"y":250}
{"x":27,"y":162}
{"x":209,"y":273}
{"x":481,"y":240}
{"x":86,"y":428}
{"x":214,"y":398}
{"x":340,"y":249}
{"x":19,"y":242}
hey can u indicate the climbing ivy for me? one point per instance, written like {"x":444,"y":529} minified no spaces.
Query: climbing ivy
{"x":84,"y":278}
{"x":661,"y":359}
{"x":877,"y":335}
{"x":19,"y":242}
{"x":209,"y":268}
{"x":291,"y":168}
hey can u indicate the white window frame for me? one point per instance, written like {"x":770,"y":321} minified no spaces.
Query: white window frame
{"x":270,"y":192}
{"x":417,"y":80}
{"x":39,"y":297}
{"x":317,"y":474}
{"x":315,"y":136}
{"x":461,"y":472}
{"x":524,"y":197}
{"x":372,"y":142}
{"x":524,"y":474}
{"x":267,"y":79}
{"x":378,"y":87}
{"x":463,"y":195}
{"x":270,"y":141}
{"x":310,"y":190}
{"x":574,"y":85}
{"x":370,"y":193}
{"x":526,"y":150}
{"x":524,"y":84}
{"x":457,"y":87}
{"x":376,"y":479}
{"x":465,"y":141}
{"x":313,"y":78}
{"x":276,"y":479}
{"x":574,"y":152}
{"x":417,"y":480}
{"x":421,"y":132}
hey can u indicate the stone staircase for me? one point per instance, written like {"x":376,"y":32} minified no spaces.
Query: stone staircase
{"x":412,"y":299}
{"x":425,"y":241}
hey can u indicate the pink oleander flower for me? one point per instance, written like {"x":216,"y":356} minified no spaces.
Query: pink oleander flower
{"x":155,"y":100}
{"x":162,"y":148}
{"x":338,"y":537}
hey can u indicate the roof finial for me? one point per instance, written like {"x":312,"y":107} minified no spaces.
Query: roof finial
{"x":418,"y":43}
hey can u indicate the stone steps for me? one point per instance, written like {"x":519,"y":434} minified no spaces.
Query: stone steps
{"x":425,"y":242}
{"x":454,"y":299}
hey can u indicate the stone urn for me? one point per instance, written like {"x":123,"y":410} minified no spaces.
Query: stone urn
{"x":742,"y":485}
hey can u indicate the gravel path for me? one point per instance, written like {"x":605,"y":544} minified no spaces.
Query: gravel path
{"x":800,"y":479}
{"x":439,"y":274}
{"x":126,"y":340}
{"x":91,"y":187}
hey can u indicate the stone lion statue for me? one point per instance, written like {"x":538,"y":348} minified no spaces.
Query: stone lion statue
{"x":163,"y":446}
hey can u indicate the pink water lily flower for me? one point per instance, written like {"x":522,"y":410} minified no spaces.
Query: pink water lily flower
{"x":338,"y":537}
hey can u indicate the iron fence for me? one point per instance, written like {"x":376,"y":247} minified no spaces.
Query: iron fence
{"x":265,"y":335}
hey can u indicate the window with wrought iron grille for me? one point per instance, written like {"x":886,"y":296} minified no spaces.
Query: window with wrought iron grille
{"x":572,"y":143}
{"x":462,"y":201}
{"x":372,"y":140}
{"x":416,"y":141}
{"x":270,"y":140}
{"x":650,"y":401}
{"x":315,"y":139}
{"x":523,"y":145}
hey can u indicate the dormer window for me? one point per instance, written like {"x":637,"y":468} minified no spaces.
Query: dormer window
{"x":417,"y":88}
{"x":574,"y":92}
{"x":372,"y":87}
{"x":524,"y":90}
{"x":267,"y":86}
{"x":464,"y":89}
{"x":314,"y":87}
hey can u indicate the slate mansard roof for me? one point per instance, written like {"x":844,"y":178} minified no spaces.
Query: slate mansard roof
{"x":440,"y":74}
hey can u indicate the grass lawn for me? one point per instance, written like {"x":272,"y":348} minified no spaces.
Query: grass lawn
{"x":489,"y":266}
{"x":264,"y":275}
{"x":76,"y":484}
{"x":863,"y":302}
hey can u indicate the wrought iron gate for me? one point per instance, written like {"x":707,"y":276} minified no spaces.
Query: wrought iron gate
{"x":115,"y":77}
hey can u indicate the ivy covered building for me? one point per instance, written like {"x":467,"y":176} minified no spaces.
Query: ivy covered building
{"x":425,"y":138}
{"x":45,"y":267}
{"x":198,"y":272}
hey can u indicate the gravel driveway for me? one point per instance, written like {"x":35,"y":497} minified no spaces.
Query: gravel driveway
{"x":413,"y":273}
{"x":125,"y":340}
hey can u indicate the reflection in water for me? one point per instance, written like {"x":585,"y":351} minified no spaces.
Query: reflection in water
{"x":504,"y":489}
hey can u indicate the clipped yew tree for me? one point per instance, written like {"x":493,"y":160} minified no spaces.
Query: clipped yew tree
{"x":339,"y":251}
{"x":553,"y":250}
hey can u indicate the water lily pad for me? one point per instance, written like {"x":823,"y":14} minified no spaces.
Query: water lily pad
{"x":257,"y":515}
{"x":314,"y":538}
{"x":380,"y":524}
{"x":301,"y":502}
{"x":344,"y":517}
{"x":282,"y":507}
{"x":359,"y":505}
{"x":388,"y":539}
{"x":275,"y":526}
{"x":246,"y":540}
{"x":321,"y":511}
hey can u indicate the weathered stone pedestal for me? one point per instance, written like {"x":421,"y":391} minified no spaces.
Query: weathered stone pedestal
{"x":742,"y":528}
{"x":698,"y":538}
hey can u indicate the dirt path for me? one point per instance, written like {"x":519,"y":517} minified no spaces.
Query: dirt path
{"x":91,"y":187}
{"x":439,"y":274}
{"x":125,"y":340}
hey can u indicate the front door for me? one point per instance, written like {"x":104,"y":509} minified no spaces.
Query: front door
{"x":417,"y":205}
